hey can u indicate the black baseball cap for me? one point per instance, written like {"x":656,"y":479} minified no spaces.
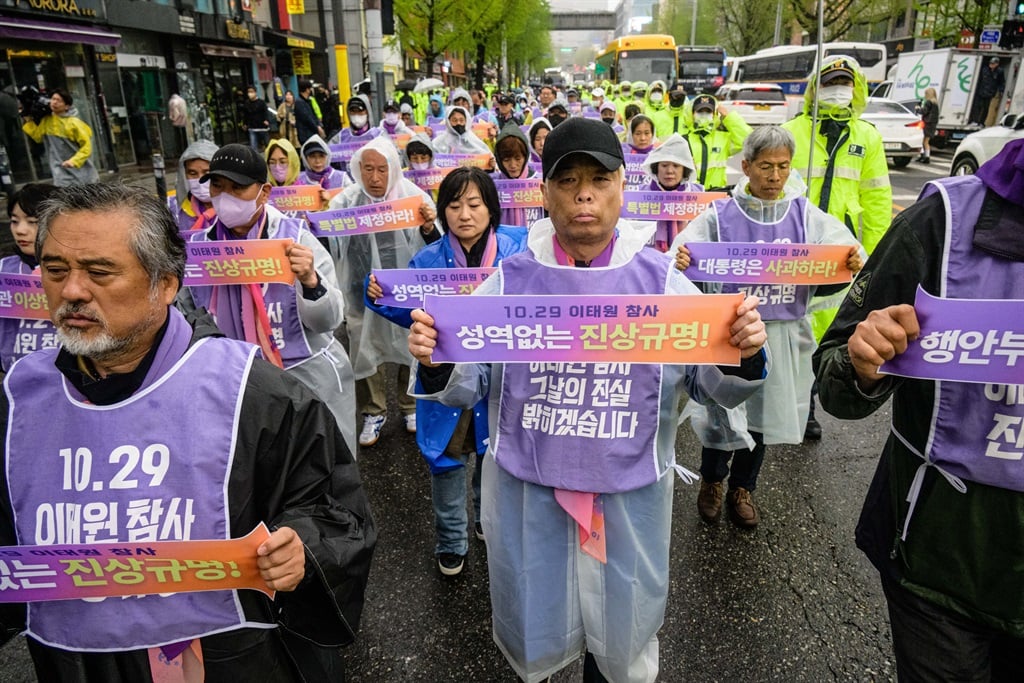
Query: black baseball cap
{"x":240,"y":164}
{"x":355,"y":104}
{"x":580,"y":135}
{"x":505,"y":98}
{"x":557,"y":105}
{"x":391,"y":105}
{"x":704,"y":103}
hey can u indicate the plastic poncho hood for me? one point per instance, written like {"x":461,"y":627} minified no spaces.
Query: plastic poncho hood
{"x":676,"y":150}
{"x":315,"y":143}
{"x":459,"y":93}
{"x":424,"y":140}
{"x":769,"y":210}
{"x":860,"y":93}
{"x":511,"y":130}
{"x":440,"y":103}
{"x":200,"y":149}
{"x":383,"y":146}
{"x":294,"y":166}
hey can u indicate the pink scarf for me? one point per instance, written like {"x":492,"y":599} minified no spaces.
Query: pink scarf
{"x":490,"y":250}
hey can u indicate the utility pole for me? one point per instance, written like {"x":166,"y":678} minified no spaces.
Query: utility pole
{"x":375,"y":48}
{"x":693,"y":25}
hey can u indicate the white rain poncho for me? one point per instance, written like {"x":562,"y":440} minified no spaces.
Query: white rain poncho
{"x":779,"y":409}
{"x":373,"y":340}
{"x":450,"y":142}
{"x":549,"y":600}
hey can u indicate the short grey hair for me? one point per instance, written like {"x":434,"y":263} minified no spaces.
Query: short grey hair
{"x":155,"y":241}
{"x":764,"y":138}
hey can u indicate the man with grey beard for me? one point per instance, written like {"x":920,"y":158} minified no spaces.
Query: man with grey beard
{"x":225,"y":441}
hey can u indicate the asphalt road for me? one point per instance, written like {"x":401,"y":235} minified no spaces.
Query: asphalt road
{"x":791,"y":601}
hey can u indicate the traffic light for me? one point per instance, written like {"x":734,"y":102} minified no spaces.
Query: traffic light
{"x":1018,"y":9}
{"x":1012,"y":37}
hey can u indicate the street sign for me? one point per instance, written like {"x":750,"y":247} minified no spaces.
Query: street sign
{"x":991,"y":37}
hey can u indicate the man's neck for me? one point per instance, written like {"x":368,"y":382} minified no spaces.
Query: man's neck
{"x":584,"y":253}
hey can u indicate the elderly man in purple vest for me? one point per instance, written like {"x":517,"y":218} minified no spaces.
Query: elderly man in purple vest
{"x":226,"y":441}
{"x":551,"y":598}
{"x":943,"y":521}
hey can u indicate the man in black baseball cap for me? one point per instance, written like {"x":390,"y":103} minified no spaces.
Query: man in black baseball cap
{"x":540,"y":484}
{"x":238,"y":187}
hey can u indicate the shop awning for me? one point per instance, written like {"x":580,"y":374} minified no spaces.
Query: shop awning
{"x":30,"y":29}
{"x":231,"y":51}
{"x":291,"y":40}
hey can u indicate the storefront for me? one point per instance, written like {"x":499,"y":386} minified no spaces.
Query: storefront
{"x":41,"y":53}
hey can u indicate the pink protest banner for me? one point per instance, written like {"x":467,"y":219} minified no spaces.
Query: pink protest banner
{"x":360,"y":220}
{"x":429,"y":178}
{"x":400,"y":139}
{"x":296,"y":198}
{"x":22,"y":296}
{"x":237,"y":262}
{"x":456,"y":160}
{"x":964,"y":340}
{"x":519,"y":194}
{"x":690,"y":329}
{"x":482,"y":130}
{"x":406,"y":287}
{"x":40,"y":573}
{"x":666,"y":206}
{"x":768,"y":263}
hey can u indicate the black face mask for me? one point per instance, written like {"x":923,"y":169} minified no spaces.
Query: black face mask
{"x":677,"y":99}
{"x":554,"y":120}
{"x":459,"y":129}
{"x":610,"y":122}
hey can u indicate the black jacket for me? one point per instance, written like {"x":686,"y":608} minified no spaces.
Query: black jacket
{"x":306,"y":121}
{"x":291,"y":467}
{"x":255,"y":114}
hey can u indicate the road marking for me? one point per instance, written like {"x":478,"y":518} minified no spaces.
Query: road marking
{"x":937,"y":170}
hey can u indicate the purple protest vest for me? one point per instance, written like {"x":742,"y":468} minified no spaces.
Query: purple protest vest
{"x":282,"y":305}
{"x":778,"y":302}
{"x":20,"y":337}
{"x":976,"y":430}
{"x":331,"y":179}
{"x":153,"y":467}
{"x":581,"y":426}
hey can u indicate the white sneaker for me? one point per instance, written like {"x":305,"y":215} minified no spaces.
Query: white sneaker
{"x":372,"y":424}
{"x":410,"y":423}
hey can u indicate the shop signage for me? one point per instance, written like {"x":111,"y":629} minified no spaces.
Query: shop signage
{"x":300,"y":63}
{"x":238,"y":31}
{"x":301,"y":43}
{"x":90,"y":9}
{"x":296,"y":6}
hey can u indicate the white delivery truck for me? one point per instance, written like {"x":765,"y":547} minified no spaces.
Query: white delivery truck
{"x":954,"y":73}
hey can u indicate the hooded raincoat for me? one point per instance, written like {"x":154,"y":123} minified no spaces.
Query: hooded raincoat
{"x":712,"y":144}
{"x":439,"y":118}
{"x":549,"y":600}
{"x":779,"y":408}
{"x":294,"y":165}
{"x":66,"y":138}
{"x":450,"y":142}
{"x":522,"y":217}
{"x":674,"y":150}
{"x":331,"y":177}
{"x":190,"y":213}
{"x":534,"y":127}
{"x":326,"y":369}
{"x":374,"y":341}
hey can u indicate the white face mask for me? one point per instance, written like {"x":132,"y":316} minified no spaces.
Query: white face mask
{"x":704,"y":117}
{"x":232,"y":211}
{"x":391,"y":118}
{"x":420,"y":165}
{"x":200,"y":191}
{"x":358,"y":120}
{"x":836,"y":95}
{"x":657,"y":97}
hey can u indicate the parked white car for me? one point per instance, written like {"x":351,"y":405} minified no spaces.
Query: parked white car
{"x":758,"y":103}
{"x":979,"y":147}
{"x":902,"y":130}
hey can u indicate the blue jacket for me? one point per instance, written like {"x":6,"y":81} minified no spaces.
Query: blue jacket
{"x":437,"y":422}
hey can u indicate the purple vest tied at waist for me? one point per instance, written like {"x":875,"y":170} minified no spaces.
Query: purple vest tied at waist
{"x":976,"y":428}
{"x":581,"y":426}
{"x":150,"y":468}
{"x":18,"y":336}
{"x":778,"y":302}
{"x":282,"y":304}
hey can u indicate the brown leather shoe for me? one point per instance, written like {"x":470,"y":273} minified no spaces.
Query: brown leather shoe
{"x":709,"y":501}
{"x":742,"y":510}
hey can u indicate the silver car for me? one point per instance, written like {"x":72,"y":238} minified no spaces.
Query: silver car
{"x":979,"y":147}
{"x":902,"y":130}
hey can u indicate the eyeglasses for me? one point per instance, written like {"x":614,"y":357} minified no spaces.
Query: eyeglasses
{"x":279,"y":162}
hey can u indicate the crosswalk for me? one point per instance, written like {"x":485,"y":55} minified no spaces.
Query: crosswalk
{"x":901,"y":200}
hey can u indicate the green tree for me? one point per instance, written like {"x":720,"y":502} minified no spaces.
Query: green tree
{"x":945,"y":19}
{"x":749,"y":25}
{"x":431,"y":28}
{"x":840,"y":16}
{"x":676,"y":19}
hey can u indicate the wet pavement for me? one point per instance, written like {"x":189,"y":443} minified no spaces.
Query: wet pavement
{"x":792,"y":601}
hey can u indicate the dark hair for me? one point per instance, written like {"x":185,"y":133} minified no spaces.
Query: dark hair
{"x":30,"y":197}
{"x":456,"y":183}
{"x":631,"y":112}
{"x":305,"y":85}
{"x":155,"y":241}
{"x":64,"y":95}
{"x":637,"y":120}
{"x":501,"y":147}
{"x":417,"y":147}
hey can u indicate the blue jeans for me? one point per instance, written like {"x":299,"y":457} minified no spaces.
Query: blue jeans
{"x":746,"y":464}
{"x":258,"y":139}
{"x":451,"y":521}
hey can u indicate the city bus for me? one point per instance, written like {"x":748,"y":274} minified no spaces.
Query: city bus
{"x":701,"y":68}
{"x":645,"y":58}
{"x":791,"y":65}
